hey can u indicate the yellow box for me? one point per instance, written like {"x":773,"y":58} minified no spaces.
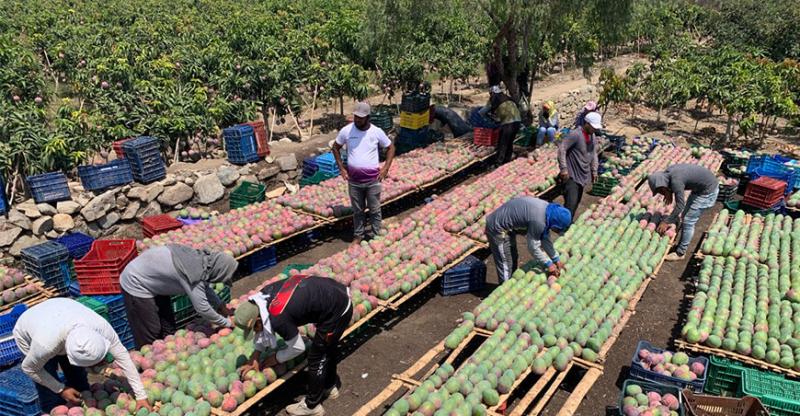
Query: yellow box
{"x":415,"y":121}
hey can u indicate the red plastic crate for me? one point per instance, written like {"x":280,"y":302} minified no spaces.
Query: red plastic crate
{"x":485,"y":137}
{"x":757,"y":203}
{"x":158,"y":224}
{"x":117,"y":146}
{"x":98,"y":271}
{"x":764,"y":191}
{"x":261,"y":138}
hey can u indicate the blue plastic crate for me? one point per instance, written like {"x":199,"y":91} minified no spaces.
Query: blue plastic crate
{"x":3,"y":198}
{"x":310,"y":167}
{"x":453,"y":288}
{"x":18,"y":396}
{"x":477,"y":120}
{"x":50,"y":262}
{"x":9,"y":352}
{"x":101,"y":177}
{"x":115,"y":305}
{"x":467,"y":276}
{"x":638,"y":372}
{"x":48,"y":187}
{"x":468,"y":265}
{"x":74,"y":289}
{"x":144,"y":155}
{"x":77,"y":243}
{"x":240,"y":144}
{"x":262,"y":259}
{"x":9,"y":319}
{"x":44,"y":254}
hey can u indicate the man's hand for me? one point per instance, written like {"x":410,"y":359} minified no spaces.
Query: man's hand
{"x":553,"y":270}
{"x":383,"y":175}
{"x":143,"y":404}
{"x":662,"y":228}
{"x":224,"y":310}
{"x":252,"y":365}
{"x":71,"y":395}
{"x":271,"y":361}
{"x":563,"y":175}
{"x":560,"y":265}
{"x":344,"y":174}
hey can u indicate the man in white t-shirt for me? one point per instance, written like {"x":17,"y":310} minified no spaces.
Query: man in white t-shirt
{"x":363,"y":172}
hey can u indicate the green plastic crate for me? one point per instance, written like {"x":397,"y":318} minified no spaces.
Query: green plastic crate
{"x":724,"y":377}
{"x":181,"y":303}
{"x":779,"y":395}
{"x":315,"y":179}
{"x":247,"y":193}
{"x":299,"y":267}
{"x":98,"y":307}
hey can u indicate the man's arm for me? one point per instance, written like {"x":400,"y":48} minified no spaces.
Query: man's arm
{"x":201,"y":297}
{"x":337,"y":154}
{"x":123,"y":360}
{"x":678,"y":190}
{"x":541,"y":248}
{"x":595,"y":162}
{"x":563,"y":147}
{"x":33,"y":366}
{"x":294,"y":347}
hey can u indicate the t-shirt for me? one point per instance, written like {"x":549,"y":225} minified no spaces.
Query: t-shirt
{"x":363,"y":164}
{"x":316,"y":300}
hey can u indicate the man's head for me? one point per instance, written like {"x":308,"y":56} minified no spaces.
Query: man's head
{"x":222,"y":266}
{"x":85,"y":347}
{"x":361,"y":115}
{"x":557,"y":218}
{"x":593,"y":122}
{"x":659,"y":184}
{"x":590,"y":106}
{"x":548,"y":106}
{"x":248,"y":318}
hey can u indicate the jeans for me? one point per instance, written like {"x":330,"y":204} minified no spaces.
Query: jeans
{"x":363,"y":196}
{"x":154,"y":318}
{"x":551,"y":135}
{"x":695,"y":206}
{"x":74,"y":377}
{"x":504,"y":253}
{"x":573,"y":193}
{"x":322,"y":357}
{"x":505,"y":143}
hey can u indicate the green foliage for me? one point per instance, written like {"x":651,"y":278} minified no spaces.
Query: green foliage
{"x":762,"y":26}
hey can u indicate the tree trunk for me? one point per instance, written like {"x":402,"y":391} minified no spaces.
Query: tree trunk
{"x":729,"y":127}
{"x":341,"y":105}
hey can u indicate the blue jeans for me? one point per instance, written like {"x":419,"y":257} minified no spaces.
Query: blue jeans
{"x":74,"y":377}
{"x":551,"y":135}
{"x":695,"y":206}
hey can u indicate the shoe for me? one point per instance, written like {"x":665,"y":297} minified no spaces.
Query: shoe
{"x":333,"y":393}
{"x":300,"y":409}
{"x":674,"y":257}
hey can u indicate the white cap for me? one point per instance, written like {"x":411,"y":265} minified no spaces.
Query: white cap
{"x":85,"y":347}
{"x":595,"y":120}
{"x":362,"y":109}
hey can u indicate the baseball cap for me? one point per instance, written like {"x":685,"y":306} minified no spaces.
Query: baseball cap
{"x":595,"y":120}
{"x":246,"y":316}
{"x":362,"y":109}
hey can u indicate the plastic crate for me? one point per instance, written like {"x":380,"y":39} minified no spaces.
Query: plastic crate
{"x":144,"y":155}
{"x":44,"y":254}
{"x":98,"y":271}
{"x":240,"y":144}
{"x":109,"y":175}
{"x":477,"y":120}
{"x":415,"y":102}
{"x":50,"y":262}
{"x":382,"y":119}
{"x":8,"y":319}
{"x":768,"y":165}
{"x":77,"y":243}
{"x":700,"y":405}
{"x":262,"y":147}
{"x":326,"y":163}
{"x":3,"y":199}
{"x":115,"y":305}
{"x":262,"y":259}
{"x":18,"y":396}
{"x":315,"y":179}
{"x":48,"y":187}
{"x":408,"y":140}
{"x":648,"y":387}
{"x":9,"y":352}
{"x":95,"y":305}
{"x":779,"y":395}
{"x":765,"y":188}
{"x":638,"y":372}
{"x":485,"y":137}
{"x":117,"y":146}
{"x":247,"y":193}
{"x":158,"y":224}
{"x":416,"y":120}
{"x":724,"y":376}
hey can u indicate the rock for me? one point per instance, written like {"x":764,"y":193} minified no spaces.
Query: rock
{"x":83,"y":199}
{"x":292,"y":174}
{"x":282,"y":177}
{"x":268,"y":172}
{"x":285,"y":140}
{"x":9,"y":234}
{"x":108,"y":220}
{"x":42,"y":225}
{"x":29,"y":209}
{"x":245,"y":170}
{"x":19,"y":219}
{"x":46,"y":209}
{"x":128,"y":231}
{"x":189,"y":181}
{"x":153,"y":208}
{"x":99,"y":206}
{"x":122,"y":202}
{"x":287,"y":162}
{"x":52,"y":234}
{"x":146,"y":193}
{"x":246,"y":178}
{"x":228,"y":175}
{"x":209,"y":189}
{"x":169,"y":180}
{"x":68,"y":207}
{"x":63,"y":222}
{"x":175,"y":194}
{"x":22,"y":243}
{"x":130,"y":211}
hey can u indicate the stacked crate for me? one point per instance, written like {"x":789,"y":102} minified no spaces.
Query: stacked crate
{"x":467,"y":276}
{"x":415,"y":116}
{"x":99,"y":270}
{"x":144,"y":155}
{"x":51,"y":263}
{"x":159,"y":224}
{"x":765,"y":193}
{"x":260,"y":131}
{"x":9,"y":353}
{"x":18,"y":396}
{"x":247,"y":193}
{"x":240,"y":144}
{"x":48,"y":187}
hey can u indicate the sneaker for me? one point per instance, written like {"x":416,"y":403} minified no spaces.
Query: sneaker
{"x":300,"y":409}
{"x":333,"y":393}
{"x":675,"y":257}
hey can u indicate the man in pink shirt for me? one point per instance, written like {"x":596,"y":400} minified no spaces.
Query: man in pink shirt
{"x":363,"y":172}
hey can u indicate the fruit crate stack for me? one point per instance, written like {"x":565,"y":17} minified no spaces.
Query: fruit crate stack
{"x":98,"y":271}
{"x":262,"y":259}
{"x":48,"y":187}
{"x":51,"y":263}
{"x":483,"y":136}
{"x":637,"y":394}
{"x":467,"y":276}
{"x":262,"y":147}
{"x":415,"y":116}
{"x":117,"y":146}
{"x":727,"y":189}
{"x":240,"y":144}
{"x":95,"y":305}
{"x":775,"y":167}
{"x":77,"y":243}
{"x":408,"y":140}
{"x":118,"y":318}
{"x":764,"y":193}
{"x":159,"y":224}
{"x":3,"y":199}
{"x":382,"y":117}
{"x":657,"y":365}
{"x":184,"y":311}
{"x":144,"y":155}
{"x":18,"y":396}
{"x":604,"y":185}
{"x":247,"y":193}
{"x":9,"y":353}
{"x":97,"y":178}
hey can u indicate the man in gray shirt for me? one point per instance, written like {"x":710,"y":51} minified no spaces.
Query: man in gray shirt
{"x":672,"y":184}
{"x":534,"y":216}
{"x":577,"y":160}
{"x":154,"y":276}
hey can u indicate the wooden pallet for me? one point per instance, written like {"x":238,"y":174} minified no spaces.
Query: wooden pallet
{"x":681,"y":344}
{"x":245,"y":407}
{"x":43,"y":294}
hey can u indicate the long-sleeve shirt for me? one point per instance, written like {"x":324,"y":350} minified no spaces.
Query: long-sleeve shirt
{"x":547,"y":121}
{"x":525,"y":213}
{"x":505,"y":113}
{"x":153,"y":274}
{"x":685,"y":176}
{"x":578,"y":156}
{"x":41,"y":333}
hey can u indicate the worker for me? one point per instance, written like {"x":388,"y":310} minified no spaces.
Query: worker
{"x":672,"y":184}
{"x":363,"y":172}
{"x":581,"y":117}
{"x":279,"y":309}
{"x":577,"y":160}
{"x":503,"y":109}
{"x":62,"y":333}
{"x":534,"y":216}
{"x":151,"y":279}
{"x":548,"y":123}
